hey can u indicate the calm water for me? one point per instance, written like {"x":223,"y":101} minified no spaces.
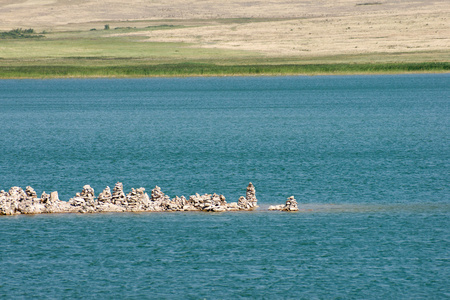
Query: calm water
{"x":367,"y":157}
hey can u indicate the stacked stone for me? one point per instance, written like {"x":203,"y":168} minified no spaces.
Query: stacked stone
{"x":215,"y":203}
{"x":24,"y":204}
{"x":208,"y":202}
{"x":5,"y":204}
{"x":199,"y":202}
{"x":18,"y":201}
{"x":118,"y":196}
{"x":85,"y":201}
{"x":77,"y":201}
{"x":181,"y":203}
{"x":45,"y":198}
{"x":158,"y":195}
{"x":105,"y":196}
{"x":159,"y":200}
{"x":291,"y":204}
{"x":137,"y":199}
{"x":251,"y":196}
{"x":12,"y":202}
{"x":88,"y":195}
{"x":32,"y":197}
{"x":17,"y":193}
{"x":177,"y":204}
{"x":31,"y":193}
{"x":249,"y":202}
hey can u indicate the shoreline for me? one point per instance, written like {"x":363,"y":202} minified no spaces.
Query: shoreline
{"x":214,"y":70}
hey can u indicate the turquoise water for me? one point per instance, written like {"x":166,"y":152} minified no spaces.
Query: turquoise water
{"x":367,"y":158}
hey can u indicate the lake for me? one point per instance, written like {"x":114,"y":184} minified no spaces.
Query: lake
{"x":366,"y":157}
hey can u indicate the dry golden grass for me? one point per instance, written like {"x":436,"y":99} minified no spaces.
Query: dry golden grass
{"x":320,"y":36}
{"x":297,"y":29}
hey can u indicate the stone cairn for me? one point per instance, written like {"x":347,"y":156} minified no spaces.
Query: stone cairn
{"x":105,"y":197}
{"x":291,"y":205}
{"x":18,"y":201}
{"x":250,"y":201}
{"x":118,"y":196}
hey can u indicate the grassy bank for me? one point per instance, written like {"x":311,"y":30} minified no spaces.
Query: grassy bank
{"x":99,"y":53}
{"x":199,"y":69}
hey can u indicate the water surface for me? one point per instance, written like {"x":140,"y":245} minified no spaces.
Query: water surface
{"x":367,"y":158}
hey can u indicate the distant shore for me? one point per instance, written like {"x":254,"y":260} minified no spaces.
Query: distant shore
{"x":199,"y":69}
{"x":54,"y":39}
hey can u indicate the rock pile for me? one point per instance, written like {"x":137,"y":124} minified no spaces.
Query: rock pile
{"x":18,"y":201}
{"x":291,"y":205}
{"x":105,"y":196}
{"x":118,"y":196}
{"x":137,"y":200}
{"x":211,"y":202}
{"x":250,"y":201}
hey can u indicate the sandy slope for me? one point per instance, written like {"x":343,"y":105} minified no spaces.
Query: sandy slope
{"x":310,"y":27}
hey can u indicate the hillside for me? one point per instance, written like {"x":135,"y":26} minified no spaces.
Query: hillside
{"x":235,"y":32}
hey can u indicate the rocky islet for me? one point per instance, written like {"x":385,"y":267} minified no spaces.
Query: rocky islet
{"x":18,"y":201}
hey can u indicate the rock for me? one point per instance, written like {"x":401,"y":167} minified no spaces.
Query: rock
{"x":177,"y":203}
{"x":208,"y":202}
{"x":77,"y":201}
{"x":31,"y":207}
{"x":88,"y":195}
{"x":249,"y":202}
{"x":118,"y":196}
{"x":18,"y":201}
{"x":291,"y":205}
{"x":233,"y":206}
{"x":105,"y":196}
{"x":45,"y":198}
{"x":54,"y":197}
{"x":57,"y":206}
{"x":7,"y":208}
{"x":137,"y":200}
{"x":109,"y":207}
{"x":160,"y":201}
{"x":7,"y":204}
{"x":17,"y":194}
{"x":85,"y":201}
{"x":158,"y":195}
{"x":276,"y":207}
{"x":242,"y":203}
{"x":31,"y":194}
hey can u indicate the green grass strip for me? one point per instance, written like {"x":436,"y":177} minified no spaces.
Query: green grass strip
{"x":199,"y":69}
